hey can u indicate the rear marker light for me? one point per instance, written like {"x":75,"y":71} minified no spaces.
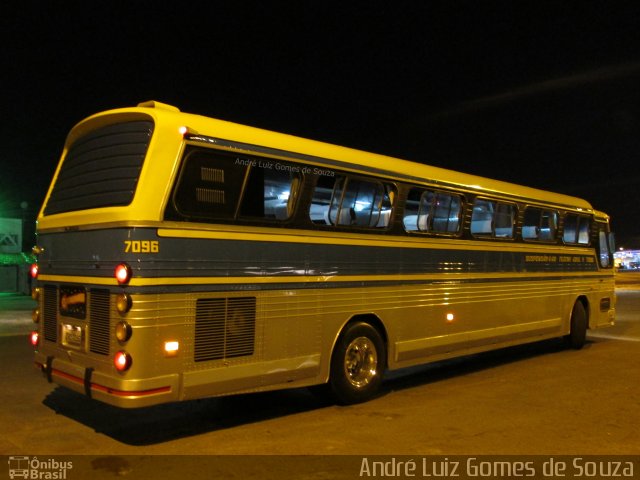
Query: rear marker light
{"x":35,"y":338}
{"x":123,"y":303}
{"x":123,"y":331}
{"x":33,"y":271}
{"x":123,"y":273}
{"x":122,"y":361}
{"x":171,"y":348}
{"x":35,"y":315}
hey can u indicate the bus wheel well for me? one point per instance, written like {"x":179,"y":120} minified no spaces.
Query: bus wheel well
{"x":373,"y":320}
{"x":358,"y":360}
{"x":585,"y":303}
{"x":579,"y":324}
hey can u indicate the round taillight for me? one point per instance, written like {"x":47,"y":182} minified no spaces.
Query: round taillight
{"x":123,"y":273}
{"x":123,"y":303}
{"x":33,"y":271}
{"x":35,"y":338}
{"x":122,"y":361}
{"x":123,"y":331}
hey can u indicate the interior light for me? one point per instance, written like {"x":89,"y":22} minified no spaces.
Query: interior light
{"x":33,"y":271}
{"x":123,"y":273}
{"x":122,"y":361}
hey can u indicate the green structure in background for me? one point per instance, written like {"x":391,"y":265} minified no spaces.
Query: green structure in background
{"x":14,"y":263}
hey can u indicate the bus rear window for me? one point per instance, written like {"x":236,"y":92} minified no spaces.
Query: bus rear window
{"x":101,"y":169}
{"x":216,"y":186}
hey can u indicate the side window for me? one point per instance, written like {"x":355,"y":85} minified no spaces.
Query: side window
{"x":209,"y":185}
{"x":606,"y":250}
{"x":504,"y":220}
{"x":539,"y":224}
{"x":433,"y":212}
{"x":583,"y":231}
{"x":576,"y":229}
{"x":269,"y":193}
{"x":216,"y":186}
{"x":412,"y":210}
{"x":447,"y":211}
{"x":351,"y":201}
{"x":493,"y":219}
{"x":482,"y":217}
{"x":322,"y":195}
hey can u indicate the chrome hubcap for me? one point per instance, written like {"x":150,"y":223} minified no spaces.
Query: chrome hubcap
{"x":361,"y":362}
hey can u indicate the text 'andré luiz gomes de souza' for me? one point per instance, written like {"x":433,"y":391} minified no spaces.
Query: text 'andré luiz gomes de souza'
{"x":537,"y":467}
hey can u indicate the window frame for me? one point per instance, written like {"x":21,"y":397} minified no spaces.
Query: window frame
{"x":580,"y":219}
{"x":175,"y":211}
{"x":555,"y":238}
{"x":492,"y":234}
{"x":433,"y":207}
{"x":342,"y":181}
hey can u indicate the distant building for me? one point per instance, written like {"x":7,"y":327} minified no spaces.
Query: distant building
{"x":10,"y":235}
{"x":14,"y":264}
{"x":627,"y":259}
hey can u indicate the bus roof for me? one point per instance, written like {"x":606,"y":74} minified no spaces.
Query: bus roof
{"x":376,"y":162}
{"x":343,"y":156}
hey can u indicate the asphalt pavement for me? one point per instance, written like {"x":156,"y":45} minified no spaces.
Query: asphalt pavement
{"x":15,"y":314}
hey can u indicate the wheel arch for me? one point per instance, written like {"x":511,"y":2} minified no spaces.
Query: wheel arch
{"x":586,"y":304}
{"x":372,"y":319}
{"x":344,"y":385}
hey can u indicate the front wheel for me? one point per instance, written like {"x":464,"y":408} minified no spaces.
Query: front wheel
{"x":357,"y":364}
{"x":578,"y":333}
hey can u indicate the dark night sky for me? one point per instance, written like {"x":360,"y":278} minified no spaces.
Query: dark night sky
{"x":540,"y":93}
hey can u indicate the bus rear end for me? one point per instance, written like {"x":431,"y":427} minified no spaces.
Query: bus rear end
{"x":92,"y":239}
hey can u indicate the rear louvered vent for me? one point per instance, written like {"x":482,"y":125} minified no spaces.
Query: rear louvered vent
{"x":101,"y":168}
{"x":50,"y":313}
{"x":225,"y":328}
{"x":99,"y":321}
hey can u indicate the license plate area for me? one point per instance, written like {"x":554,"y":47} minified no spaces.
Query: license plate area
{"x":73,"y":336}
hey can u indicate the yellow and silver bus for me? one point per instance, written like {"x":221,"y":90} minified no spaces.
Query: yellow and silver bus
{"x":182,"y":257}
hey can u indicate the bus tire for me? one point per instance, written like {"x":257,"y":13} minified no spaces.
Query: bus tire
{"x":578,"y":332}
{"x":357,"y":364}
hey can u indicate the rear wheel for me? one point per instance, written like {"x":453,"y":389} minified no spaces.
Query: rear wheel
{"x":357,"y":364}
{"x":578,"y":333}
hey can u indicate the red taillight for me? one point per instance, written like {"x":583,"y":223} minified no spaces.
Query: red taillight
{"x":35,"y":338}
{"x":123,"y":273}
{"x":33,"y":271}
{"x":122,"y":361}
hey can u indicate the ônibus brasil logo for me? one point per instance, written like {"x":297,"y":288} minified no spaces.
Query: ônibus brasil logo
{"x":33,"y":468}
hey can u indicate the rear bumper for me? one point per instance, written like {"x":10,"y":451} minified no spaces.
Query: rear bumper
{"x":110,"y":389}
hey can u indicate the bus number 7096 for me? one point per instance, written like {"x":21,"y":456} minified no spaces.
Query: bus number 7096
{"x":141,"y":246}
